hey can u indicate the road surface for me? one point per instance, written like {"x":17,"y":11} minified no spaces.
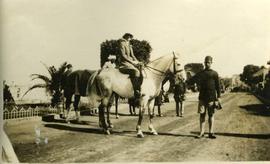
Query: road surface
{"x":242,"y":128}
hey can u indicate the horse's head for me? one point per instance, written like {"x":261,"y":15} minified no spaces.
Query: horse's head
{"x":177,"y":67}
{"x":169,"y":65}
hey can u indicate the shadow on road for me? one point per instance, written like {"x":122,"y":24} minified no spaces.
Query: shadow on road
{"x":80,"y":122}
{"x":113,"y":132}
{"x":160,"y":134}
{"x":122,"y":114}
{"x":76,"y":129}
{"x":255,"y":136}
{"x":256,"y":109}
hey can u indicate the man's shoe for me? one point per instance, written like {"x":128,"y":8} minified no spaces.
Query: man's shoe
{"x":212,"y":136}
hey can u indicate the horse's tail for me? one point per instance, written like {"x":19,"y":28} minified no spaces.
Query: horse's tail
{"x":91,"y":81}
{"x":98,"y":84}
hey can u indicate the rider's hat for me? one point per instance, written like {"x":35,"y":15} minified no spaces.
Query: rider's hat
{"x":127,"y":35}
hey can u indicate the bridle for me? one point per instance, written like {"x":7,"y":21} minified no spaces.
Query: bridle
{"x":162,"y":73}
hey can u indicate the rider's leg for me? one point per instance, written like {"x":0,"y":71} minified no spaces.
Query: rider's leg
{"x":135,"y":79}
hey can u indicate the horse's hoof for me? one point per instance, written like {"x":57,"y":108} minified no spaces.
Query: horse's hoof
{"x":107,"y":132}
{"x":140,"y":135}
{"x":111,"y":126}
{"x":154,"y":133}
{"x":117,"y":116}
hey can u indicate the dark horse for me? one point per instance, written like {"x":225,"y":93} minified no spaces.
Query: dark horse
{"x":75,"y":83}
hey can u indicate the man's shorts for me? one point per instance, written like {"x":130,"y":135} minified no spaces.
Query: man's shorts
{"x":206,"y":106}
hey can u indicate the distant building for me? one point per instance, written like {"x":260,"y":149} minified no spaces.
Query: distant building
{"x":236,"y":82}
{"x":37,"y":95}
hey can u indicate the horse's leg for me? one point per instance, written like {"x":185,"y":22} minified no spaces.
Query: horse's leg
{"x":150,"y":106}
{"x":177,"y":108}
{"x":102,"y":119}
{"x":108,"y":111}
{"x":76,"y":105}
{"x":159,"y":111}
{"x":134,"y":109}
{"x":116,"y":105}
{"x":138,"y":127}
{"x":130,"y":107}
{"x":182,"y":108}
{"x":68,"y":102}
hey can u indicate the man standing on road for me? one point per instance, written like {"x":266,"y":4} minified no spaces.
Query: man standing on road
{"x":208,"y":82}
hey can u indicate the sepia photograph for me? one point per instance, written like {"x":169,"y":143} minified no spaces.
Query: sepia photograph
{"x":88,"y":81}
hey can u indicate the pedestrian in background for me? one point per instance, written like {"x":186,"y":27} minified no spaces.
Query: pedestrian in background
{"x":179,"y":91}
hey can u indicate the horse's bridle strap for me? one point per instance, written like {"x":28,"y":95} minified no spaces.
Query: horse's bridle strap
{"x":156,"y":70}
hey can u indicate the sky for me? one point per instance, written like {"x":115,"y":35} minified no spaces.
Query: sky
{"x":234,"y":32}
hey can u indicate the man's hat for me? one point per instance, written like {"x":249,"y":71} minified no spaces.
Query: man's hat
{"x":208,"y":59}
{"x":112,"y":57}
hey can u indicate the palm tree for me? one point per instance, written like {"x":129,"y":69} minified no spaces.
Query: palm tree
{"x":53,"y":84}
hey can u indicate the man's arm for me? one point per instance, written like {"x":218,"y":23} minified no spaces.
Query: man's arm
{"x":217,"y":85}
{"x":123,"y":53}
{"x":132,"y":53}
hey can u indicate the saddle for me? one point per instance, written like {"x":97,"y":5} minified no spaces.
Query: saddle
{"x":125,"y":70}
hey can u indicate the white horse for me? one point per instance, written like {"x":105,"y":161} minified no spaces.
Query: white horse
{"x":103,"y":84}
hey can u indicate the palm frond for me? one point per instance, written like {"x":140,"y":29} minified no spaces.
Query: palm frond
{"x":33,"y":87}
{"x":42,"y":77}
{"x":48,"y":68}
{"x":62,"y":68}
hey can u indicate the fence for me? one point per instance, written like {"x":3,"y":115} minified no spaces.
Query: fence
{"x":15,"y":112}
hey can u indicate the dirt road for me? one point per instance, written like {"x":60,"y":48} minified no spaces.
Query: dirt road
{"x":242,"y":128}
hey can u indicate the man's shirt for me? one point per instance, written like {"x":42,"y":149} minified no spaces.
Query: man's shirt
{"x":208,"y":83}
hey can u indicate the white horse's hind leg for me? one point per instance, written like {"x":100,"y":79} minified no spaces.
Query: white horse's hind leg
{"x":150,"y":106}
{"x":102,"y":119}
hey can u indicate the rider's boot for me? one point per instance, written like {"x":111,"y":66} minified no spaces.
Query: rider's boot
{"x":137,"y":89}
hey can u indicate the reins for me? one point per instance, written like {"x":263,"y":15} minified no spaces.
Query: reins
{"x":162,"y":72}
